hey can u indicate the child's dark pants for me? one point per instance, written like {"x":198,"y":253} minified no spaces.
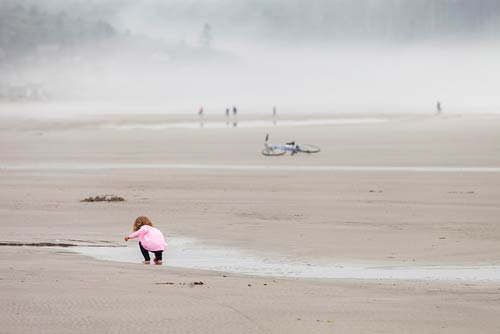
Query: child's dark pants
{"x":145,"y":253}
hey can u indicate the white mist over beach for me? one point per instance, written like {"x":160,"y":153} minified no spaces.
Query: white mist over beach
{"x":178,"y":57}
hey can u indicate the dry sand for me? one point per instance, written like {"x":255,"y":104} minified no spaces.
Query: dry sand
{"x":384,"y":218}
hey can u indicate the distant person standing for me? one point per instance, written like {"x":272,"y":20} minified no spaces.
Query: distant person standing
{"x":438,"y":107}
{"x":235,"y":111}
{"x":227,"y":117}
{"x":200,"y":114}
{"x":274,"y":111}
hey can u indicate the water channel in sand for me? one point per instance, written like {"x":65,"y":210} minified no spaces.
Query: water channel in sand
{"x":193,"y":254}
{"x":248,"y":167}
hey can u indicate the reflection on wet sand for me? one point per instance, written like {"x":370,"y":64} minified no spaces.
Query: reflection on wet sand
{"x":189,"y":253}
{"x":263,"y":168}
{"x":244,"y":124}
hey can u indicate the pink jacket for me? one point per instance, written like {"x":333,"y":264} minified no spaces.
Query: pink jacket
{"x":151,"y":238}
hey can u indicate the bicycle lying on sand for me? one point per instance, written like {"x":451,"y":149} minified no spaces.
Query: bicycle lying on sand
{"x":292,"y":147}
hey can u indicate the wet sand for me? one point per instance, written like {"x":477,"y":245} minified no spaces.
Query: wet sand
{"x":444,"y":216}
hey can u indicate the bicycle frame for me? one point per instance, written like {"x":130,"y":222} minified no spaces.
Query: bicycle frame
{"x":286,"y":147}
{"x":292,"y":147}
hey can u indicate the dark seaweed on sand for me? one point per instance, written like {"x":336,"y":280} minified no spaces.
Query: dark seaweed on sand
{"x":103,"y":198}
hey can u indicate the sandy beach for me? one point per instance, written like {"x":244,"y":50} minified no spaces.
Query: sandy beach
{"x":407,"y":191}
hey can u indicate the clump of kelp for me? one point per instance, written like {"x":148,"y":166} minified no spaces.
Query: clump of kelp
{"x":103,"y":198}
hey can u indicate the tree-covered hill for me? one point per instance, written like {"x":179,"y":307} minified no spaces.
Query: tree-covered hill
{"x":23,"y":30}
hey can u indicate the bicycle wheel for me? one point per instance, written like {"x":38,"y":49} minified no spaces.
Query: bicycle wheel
{"x":273,"y":152}
{"x":306,"y":148}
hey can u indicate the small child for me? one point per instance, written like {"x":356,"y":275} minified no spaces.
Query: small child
{"x":152,"y":240}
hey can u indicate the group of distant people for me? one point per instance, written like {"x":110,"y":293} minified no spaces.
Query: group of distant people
{"x":228,"y":111}
{"x":235,"y":111}
{"x":439,"y":110}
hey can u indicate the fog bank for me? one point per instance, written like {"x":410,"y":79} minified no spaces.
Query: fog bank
{"x":319,"y":56}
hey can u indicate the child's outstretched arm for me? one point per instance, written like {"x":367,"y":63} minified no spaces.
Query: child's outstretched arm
{"x":136,"y":234}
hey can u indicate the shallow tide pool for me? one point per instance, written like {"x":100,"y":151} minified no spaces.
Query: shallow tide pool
{"x":246,"y":167}
{"x":231,"y":123}
{"x":190,"y":253}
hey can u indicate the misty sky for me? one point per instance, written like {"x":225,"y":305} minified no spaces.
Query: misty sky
{"x":291,"y":21}
{"x":318,"y":54}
